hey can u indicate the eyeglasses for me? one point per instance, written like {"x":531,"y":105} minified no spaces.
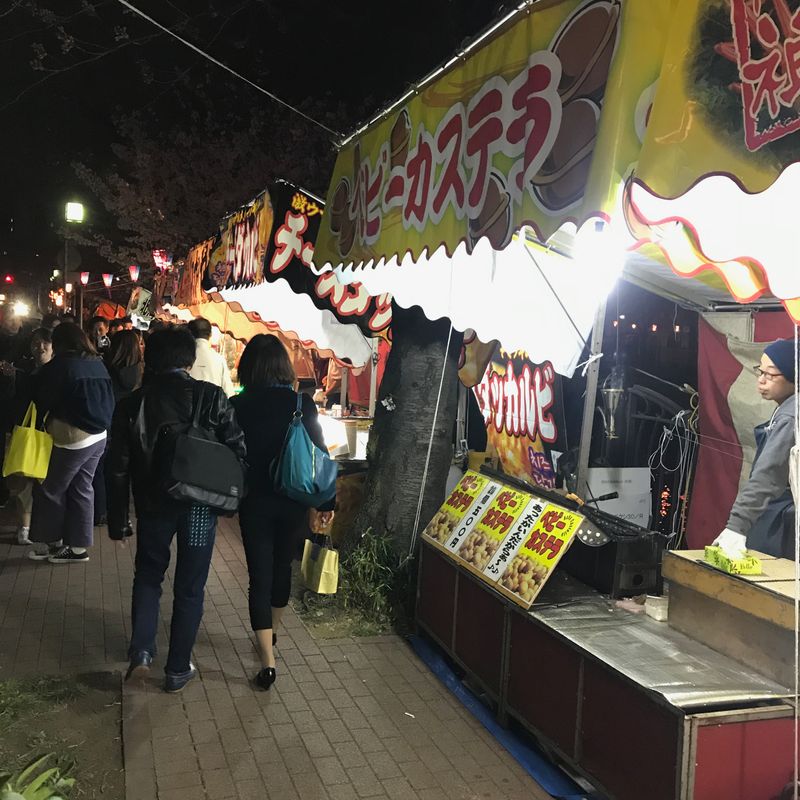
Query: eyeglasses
{"x":767,"y":376}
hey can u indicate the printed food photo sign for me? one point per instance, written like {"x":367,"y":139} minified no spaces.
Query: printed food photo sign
{"x":522,"y":408}
{"x":511,"y":539}
{"x":462,"y":509}
{"x":238,"y":257}
{"x":502,"y":140}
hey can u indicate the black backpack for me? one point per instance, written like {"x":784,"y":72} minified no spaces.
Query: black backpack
{"x":196,"y":468}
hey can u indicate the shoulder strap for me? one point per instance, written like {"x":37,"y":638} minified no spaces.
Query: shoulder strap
{"x":198,"y":391}
{"x":299,"y":412}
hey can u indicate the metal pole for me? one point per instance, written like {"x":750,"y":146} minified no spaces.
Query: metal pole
{"x":373,"y":377}
{"x":79,"y":287}
{"x":64,"y":275}
{"x":590,"y":400}
{"x":343,"y":397}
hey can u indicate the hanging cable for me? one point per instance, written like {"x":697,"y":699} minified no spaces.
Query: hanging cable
{"x":336,"y":134}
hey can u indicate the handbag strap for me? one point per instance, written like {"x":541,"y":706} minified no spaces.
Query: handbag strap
{"x":299,"y":410}
{"x":29,"y":421}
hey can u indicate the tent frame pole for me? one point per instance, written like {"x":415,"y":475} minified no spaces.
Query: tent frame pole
{"x":589,"y":401}
{"x":373,"y":377}
{"x":343,"y":394}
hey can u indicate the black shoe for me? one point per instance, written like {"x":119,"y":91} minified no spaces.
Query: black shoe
{"x":101,"y":521}
{"x":266,"y":678}
{"x":175,"y":682}
{"x":66,"y":555}
{"x":139,"y":668}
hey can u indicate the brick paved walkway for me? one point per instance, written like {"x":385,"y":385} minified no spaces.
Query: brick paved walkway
{"x":346,"y":719}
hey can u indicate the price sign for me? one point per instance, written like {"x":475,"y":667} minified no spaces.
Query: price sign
{"x":493,"y":526}
{"x":535,"y":559}
{"x":464,"y":496}
{"x":516,"y":538}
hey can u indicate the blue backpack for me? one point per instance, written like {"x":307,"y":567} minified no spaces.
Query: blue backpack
{"x":302,"y":471}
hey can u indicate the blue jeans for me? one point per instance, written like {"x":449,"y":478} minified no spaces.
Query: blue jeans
{"x":195,"y":529}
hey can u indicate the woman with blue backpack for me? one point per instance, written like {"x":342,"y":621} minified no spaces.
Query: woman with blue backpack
{"x":288,"y":473}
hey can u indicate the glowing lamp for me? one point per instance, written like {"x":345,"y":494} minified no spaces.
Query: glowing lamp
{"x":8,"y":278}
{"x":21,"y":309}
{"x":74,"y":212}
{"x":133,"y":271}
{"x":84,"y":278}
{"x":67,"y":287}
{"x":108,"y":279}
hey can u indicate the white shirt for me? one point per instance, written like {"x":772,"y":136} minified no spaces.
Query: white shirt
{"x":210,"y":366}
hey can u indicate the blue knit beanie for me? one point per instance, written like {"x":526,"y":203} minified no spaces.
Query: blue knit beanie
{"x":781,"y":353}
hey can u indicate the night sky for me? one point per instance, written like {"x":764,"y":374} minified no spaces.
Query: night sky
{"x":351,"y":55}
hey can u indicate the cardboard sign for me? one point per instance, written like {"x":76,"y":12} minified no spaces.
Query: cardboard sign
{"x":512,"y":539}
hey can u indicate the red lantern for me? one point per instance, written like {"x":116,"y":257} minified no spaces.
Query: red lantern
{"x":133,"y":270}
{"x":84,"y":278}
{"x":108,"y":279}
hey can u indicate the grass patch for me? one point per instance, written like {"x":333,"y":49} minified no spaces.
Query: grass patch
{"x":375,"y":594}
{"x":34,"y":696}
{"x":70,"y":728}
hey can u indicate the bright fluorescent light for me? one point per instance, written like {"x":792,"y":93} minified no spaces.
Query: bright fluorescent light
{"x":21,"y":309}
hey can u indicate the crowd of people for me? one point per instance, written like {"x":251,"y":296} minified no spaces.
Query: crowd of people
{"x":107,"y":395}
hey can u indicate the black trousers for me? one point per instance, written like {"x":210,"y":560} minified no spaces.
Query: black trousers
{"x":270,"y":530}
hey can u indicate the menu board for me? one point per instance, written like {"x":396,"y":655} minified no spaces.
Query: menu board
{"x":512,"y":539}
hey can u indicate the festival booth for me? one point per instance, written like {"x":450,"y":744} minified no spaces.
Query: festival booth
{"x":573,"y":144}
{"x":254,"y":277}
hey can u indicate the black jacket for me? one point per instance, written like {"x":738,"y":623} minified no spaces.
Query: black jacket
{"x":125,"y":380}
{"x":77,"y":390}
{"x":163,"y":400}
{"x":264,"y":415}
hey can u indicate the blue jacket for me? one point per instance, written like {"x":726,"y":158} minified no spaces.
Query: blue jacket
{"x":77,"y":390}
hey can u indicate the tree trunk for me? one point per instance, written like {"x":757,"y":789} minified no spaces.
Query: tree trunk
{"x":399,"y":439}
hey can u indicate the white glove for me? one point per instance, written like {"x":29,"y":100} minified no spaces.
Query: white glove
{"x":733,"y":544}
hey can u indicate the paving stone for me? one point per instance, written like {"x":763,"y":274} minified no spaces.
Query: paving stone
{"x":332,"y":728}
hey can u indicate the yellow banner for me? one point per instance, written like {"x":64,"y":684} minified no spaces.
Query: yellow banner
{"x":238,"y":257}
{"x":729,"y":96}
{"x":503,"y":140}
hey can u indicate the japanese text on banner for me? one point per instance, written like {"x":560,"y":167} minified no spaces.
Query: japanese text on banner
{"x":493,"y":527}
{"x":466,"y":494}
{"x":548,"y":541}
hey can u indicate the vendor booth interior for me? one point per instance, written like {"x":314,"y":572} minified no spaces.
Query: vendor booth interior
{"x":559,"y":190}
{"x":254,"y":277}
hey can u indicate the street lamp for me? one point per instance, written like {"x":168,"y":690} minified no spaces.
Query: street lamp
{"x":74,"y":213}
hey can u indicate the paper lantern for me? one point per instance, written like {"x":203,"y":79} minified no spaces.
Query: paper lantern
{"x":108,"y":279}
{"x":84,"y":278}
{"x":133,"y":270}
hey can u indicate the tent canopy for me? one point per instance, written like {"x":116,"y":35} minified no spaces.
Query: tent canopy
{"x":570,"y":117}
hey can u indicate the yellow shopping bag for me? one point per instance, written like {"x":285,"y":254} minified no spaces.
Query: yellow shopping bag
{"x":28,"y":451}
{"x":320,"y":568}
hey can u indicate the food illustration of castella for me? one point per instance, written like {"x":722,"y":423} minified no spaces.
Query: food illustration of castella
{"x":494,"y":220}
{"x":399,"y":140}
{"x":477,"y":549}
{"x":523,"y":577}
{"x":441,"y":527}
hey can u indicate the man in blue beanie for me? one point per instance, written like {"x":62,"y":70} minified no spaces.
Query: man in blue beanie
{"x":764,"y":505}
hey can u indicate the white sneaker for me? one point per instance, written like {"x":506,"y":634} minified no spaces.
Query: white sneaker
{"x":23,"y":534}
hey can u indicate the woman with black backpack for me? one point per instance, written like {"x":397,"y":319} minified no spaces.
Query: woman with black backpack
{"x":270,"y":522}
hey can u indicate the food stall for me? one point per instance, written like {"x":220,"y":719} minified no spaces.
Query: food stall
{"x":254,"y":277}
{"x":508,"y":191}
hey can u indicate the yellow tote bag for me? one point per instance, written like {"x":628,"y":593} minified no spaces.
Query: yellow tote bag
{"x":320,"y":568}
{"x":28,"y":451}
